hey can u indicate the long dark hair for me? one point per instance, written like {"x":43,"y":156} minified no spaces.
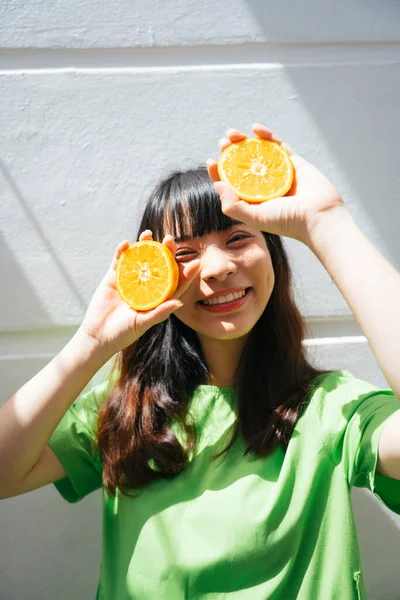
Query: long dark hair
{"x":158,"y":374}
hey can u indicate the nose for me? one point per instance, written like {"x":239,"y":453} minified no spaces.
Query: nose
{"x":216,"y":264}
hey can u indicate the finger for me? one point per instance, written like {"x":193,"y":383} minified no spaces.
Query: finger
{"x":147,"y":234}
{"x":224,"y":143}
{"x":234,"y":135}
{"x":226,"y":192}
{"x":236,"y":208}
{"x":265,"y":133}
{"x":170,"y":243}
{"x":288,"y":149}
{"x":293,"y":189}
{"x":120,"y":248}
{"x":148,"y":318}
{"x":187,"y":273}
{"x":212,"y":168}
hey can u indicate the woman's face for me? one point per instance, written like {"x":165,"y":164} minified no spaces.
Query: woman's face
{"x":234,"y":261}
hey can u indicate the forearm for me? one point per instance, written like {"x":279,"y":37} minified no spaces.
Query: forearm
{"x":30,"y":416}
{"x":368,"y":282}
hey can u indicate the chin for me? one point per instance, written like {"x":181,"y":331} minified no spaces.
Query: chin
{"x":226,"y":331}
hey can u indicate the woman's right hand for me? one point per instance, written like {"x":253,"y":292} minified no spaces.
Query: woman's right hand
{"x":114,"y":325}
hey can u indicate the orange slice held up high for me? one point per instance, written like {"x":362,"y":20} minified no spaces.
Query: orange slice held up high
{"x":146,"y":275}
{"x":258,"y":170}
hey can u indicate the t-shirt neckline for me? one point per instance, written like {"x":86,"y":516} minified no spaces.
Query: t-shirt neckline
{"x":217,"y":387}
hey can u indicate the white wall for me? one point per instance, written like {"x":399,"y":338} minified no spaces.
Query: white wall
{"x":100,"y":99}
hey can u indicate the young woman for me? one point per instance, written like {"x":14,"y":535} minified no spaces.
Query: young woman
{"x":226,"y":459}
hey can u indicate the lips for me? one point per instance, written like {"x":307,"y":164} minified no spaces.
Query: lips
{"x":224,"y":294}
{"x":225,"y":307}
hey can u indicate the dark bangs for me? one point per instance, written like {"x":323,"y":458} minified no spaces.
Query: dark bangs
{"x":185,"y":204}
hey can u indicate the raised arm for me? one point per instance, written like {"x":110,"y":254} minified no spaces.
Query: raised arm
{"x":314,"y":213}
{"x":29,"y":418}
{"x":31,"y":415}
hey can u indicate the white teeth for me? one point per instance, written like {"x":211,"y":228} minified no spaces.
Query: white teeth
{"x":224,"y":299}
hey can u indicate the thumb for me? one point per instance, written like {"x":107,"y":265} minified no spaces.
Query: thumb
{"x":147,"y":319}
{"x":238,"y":209}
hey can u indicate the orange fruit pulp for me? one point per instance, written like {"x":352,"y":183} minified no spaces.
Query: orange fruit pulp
{"x":258,"y":170}
{"x":146,"y":275}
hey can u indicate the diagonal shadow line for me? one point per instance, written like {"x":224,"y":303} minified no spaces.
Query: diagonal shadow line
{"x":18,"y":194}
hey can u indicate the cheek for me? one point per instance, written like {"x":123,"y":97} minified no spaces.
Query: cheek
{"x":188,"y":297}
{"x":261,"y":263}
{"x":264,"y":273}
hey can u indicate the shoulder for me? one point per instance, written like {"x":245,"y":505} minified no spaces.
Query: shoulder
{"x":337,"y":396}
{"x":343,"y":407}
{"x":87,"y":405}
{"x":338,"y":386}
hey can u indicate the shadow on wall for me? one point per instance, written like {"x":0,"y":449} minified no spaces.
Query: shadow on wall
{"x":343,"y":106}
{"x":352,"y":106}
{"x":22,"y":301}
{"x":19,"y":302}
{"x":336,"y":20}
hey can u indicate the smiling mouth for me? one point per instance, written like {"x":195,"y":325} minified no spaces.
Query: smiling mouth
{"x":225,"y":303}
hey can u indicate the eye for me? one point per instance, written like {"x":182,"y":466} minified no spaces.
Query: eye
{"x":180,"y":254}
{"x":238,"y":237}
{"x":235,"y":238}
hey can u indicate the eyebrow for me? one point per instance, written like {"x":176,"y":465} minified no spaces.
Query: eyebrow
{"x":183,"y":238}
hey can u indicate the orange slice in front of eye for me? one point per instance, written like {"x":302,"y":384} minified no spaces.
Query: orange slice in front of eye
{"x":146,"y":275}
{"x":258,"y":170}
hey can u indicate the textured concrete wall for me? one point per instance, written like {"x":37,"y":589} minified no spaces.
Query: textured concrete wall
{"x":100,"y":99}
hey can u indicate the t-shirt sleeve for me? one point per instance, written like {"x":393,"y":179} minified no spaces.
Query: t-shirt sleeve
{"x":73,"y":442}
{"x":353,"y":413}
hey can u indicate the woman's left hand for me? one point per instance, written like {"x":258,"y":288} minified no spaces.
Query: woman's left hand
{"x":311,"y":197}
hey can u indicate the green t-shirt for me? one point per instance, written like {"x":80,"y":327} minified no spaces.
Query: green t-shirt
{"x":280,"y":527}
